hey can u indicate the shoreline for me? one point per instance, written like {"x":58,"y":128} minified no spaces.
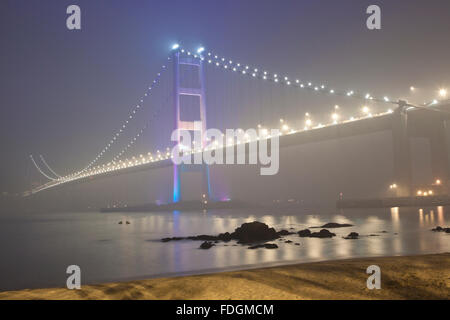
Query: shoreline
{"x":402,"y":277}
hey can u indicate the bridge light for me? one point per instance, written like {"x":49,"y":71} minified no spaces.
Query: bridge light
{"x":175,"y":46}
{"x":412,"y":89}
{"x":365,"y":109}
{"x":285,"y":127}
{"x":335,"y":116}
{"x":443,"y":93}
{"x":438,"y":182}
{"x":386,"y":99}
{"x":308,"y":122}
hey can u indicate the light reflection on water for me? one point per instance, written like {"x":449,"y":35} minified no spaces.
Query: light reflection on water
{"x":37,"y":249}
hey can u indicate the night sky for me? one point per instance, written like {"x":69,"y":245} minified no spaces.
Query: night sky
{"x":63,"y":93}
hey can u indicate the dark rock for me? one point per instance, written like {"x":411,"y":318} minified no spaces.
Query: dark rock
{"x":383,"y":231}
{"x":224,"y":237}
{"x":440,"y":229}
{"x":332,"y":225}
{"x":254,"y":232}
{"x":172,"y":239}
{"x":304,"y":233}
{"x":288,"y":241}
{"x":324,"y":233}
{"x":352,"y":235}
{"x":204,"y":237}
{"x":297,"y":244}
{"x":120,"y":222}
{"x":284,"y":233}
{"x":265,"y":245}
{"x":374,"y":235}
{"x":127,"y":222}
{"x":206,"y":245}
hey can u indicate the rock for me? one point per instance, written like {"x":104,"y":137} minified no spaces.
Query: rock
{"x":297,"y":244}
{"x":206,"y":245}
{"x":172,"y":239}
{"x":374,"y":235}
{"x":304,"y":233}
{"x":324,"y":233}
{"x":447,"y":230}
{"x":120,"y":222}
{"x":352,"y":235}
{"x":332,"y":225}
{"x":288,"y":241}
{"x":265,"y":245}
{"x":284,"y":233}
{"x":254,"y":232}
{"x":127,"y":222}
{"x":224,"y":237}
{"x":204,"y":237}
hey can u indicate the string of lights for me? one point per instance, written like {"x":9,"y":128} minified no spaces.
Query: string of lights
{"x":40,"y":170}
{"x":48,"y":167}
{"x":259,"y":73}
{"x":125,"y":124}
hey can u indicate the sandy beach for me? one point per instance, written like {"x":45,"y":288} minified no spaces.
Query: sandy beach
{"x":412,"y":277}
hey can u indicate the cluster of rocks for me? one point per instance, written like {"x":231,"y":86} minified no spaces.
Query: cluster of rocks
{"x":247,"y":233}
{"x":126,"y":222}
{"x":440,"y":229}
{"x":257,"y":234}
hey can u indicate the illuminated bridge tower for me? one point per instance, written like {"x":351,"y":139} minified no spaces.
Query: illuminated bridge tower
{"x":190,"y":107}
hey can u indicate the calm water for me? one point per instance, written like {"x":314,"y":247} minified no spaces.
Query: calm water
{"x":36,"y":249}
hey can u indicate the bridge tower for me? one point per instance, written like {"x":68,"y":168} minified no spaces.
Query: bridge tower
{"x":194,"y":91}
{"x":402,"y":151}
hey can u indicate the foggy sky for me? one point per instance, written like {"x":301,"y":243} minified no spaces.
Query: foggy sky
{"x":63,"y":93}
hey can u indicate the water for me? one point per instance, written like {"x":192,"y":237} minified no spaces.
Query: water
{"x":36,"y":249}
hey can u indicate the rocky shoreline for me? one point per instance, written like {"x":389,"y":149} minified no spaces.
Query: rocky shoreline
{"x":257,"y":235}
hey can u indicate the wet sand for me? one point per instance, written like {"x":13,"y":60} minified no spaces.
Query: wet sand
{"x":413,"y":277}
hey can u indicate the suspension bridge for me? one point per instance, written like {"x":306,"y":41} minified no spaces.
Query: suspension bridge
{"x":246,"y":96}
